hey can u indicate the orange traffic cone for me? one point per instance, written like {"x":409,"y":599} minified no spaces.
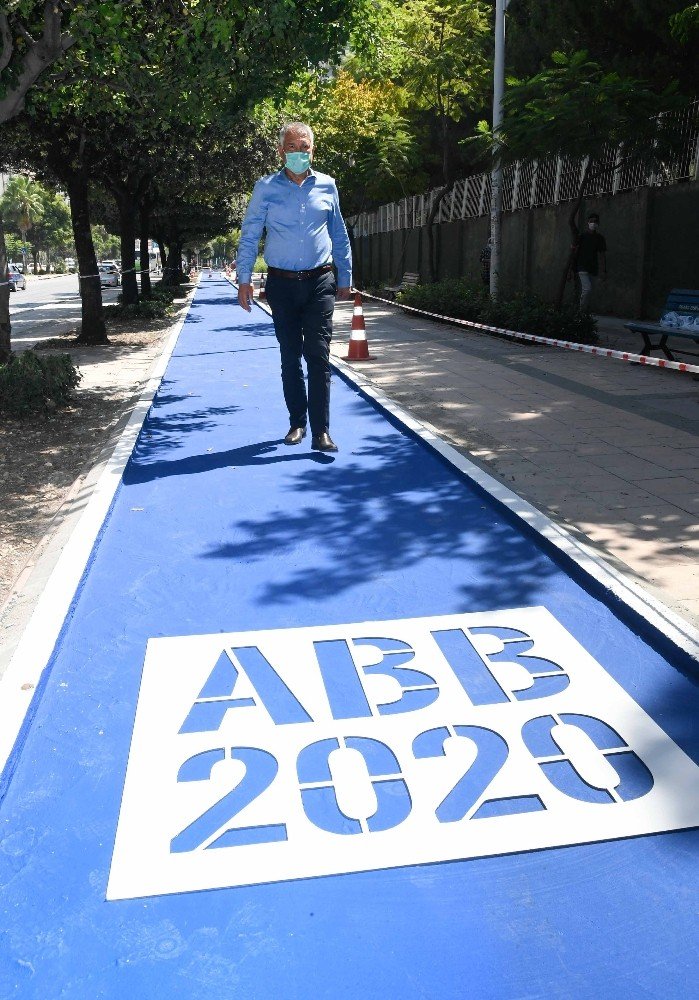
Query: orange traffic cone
{"x":358,"y":346}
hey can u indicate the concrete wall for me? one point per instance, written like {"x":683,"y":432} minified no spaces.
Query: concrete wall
{"x":652,"y":239}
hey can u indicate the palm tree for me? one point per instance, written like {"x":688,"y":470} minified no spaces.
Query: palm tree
{"x":23,"y":204}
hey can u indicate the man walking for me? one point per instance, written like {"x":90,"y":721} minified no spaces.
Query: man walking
{"x":590,"y":249}
{"x":300,"y":210}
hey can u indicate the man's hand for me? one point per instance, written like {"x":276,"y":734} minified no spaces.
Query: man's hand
{"x":246,"y":295}
{"x":343,"y":294}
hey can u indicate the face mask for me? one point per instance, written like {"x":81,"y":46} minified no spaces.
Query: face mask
{"x":297,"y":163}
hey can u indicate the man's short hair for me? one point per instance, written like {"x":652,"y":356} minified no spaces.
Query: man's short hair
{"x":593,"y":216}
{"x":301,"y":126}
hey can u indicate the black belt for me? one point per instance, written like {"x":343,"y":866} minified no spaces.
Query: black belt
{"x":279,"y":272}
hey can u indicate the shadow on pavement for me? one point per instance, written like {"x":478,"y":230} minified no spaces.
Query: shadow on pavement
{"x":384,"y":512}
{"x":261,"y":453}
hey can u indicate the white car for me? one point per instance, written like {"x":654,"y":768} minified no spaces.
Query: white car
{"x":16,"y":278}
{"x":109,"y":275}
{"x":69,"y":263}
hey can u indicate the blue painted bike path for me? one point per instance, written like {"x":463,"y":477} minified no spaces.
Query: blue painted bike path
{"x":219,"y":529}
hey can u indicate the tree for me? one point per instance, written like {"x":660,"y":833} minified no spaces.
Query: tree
{"x":52,"y":234}
{"x":14,"y":246}
{"x":24,"y":59}
{"x":106,"y":243}
{"x":633,"y":37}
{"x":59,"y":151}
{"x":148,"y":69}
{"x":22,"y":204}
{"x":50,"y":219}
{"x":443,"y":63}
{"x":576,"y":109}
{"x":435,"y":52}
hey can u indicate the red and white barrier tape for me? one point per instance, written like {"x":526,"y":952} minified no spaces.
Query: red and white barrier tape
{"x":603,"y":352}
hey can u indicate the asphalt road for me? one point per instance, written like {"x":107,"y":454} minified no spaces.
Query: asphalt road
{"x":47,"y":308}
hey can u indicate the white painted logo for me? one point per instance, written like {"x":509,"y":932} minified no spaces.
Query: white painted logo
{"x":283,"y":754}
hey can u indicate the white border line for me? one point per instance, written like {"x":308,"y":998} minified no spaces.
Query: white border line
{"x":34,"y":650}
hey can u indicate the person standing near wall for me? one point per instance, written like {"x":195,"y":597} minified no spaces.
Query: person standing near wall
{"x":300,"y":210}
{"x":590,"y":251}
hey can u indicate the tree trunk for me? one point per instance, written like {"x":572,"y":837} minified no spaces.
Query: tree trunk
{"x":158,"y":237}
{"x":172,"y":274}
{"x":93,"y":328}
{"x":5,"y":345}
{"x":144,"y":235}
{"x":167,"y":258}
{"x":35,"y":255}
{"x":127,"y":226}
{"x":180,"y":276}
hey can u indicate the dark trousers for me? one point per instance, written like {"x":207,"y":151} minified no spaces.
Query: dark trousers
{"x":303,"y":322}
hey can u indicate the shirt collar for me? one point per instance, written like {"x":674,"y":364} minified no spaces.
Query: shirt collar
{"x":282,"y":176}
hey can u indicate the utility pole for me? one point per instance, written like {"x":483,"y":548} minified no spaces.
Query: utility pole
{"x":496,"y":191}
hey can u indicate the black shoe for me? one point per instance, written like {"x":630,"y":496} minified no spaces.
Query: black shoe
{"x":323,"y":442}
{"x":295,"y":435}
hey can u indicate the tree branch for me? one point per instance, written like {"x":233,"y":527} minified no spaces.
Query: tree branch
{"x":41,"y":53}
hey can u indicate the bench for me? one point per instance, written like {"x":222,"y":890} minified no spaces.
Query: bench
{"x":409,"y":280}
{"x":680,"y":318}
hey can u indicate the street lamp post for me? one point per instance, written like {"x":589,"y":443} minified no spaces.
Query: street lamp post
{"x":496,"y":190}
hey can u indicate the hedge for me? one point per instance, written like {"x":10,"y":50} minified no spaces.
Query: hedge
{"x":525,"y":313}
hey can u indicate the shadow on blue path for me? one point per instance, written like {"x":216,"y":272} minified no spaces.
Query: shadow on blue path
{"x":381,"y":513}
{"x":263,"y":453}
{"x":218,"y":527}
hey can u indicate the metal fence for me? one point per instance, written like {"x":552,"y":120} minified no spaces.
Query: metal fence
{"x":529,"y":183}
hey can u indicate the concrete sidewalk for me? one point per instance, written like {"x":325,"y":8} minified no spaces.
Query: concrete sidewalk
{"x":607,"y":448}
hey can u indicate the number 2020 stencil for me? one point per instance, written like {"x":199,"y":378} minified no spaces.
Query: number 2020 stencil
{"x":291,"y":753}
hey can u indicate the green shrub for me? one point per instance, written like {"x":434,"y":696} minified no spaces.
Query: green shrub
{"x":159,"y":307}
{"x":260,"y":267}
{"x":452,"y":297}
{"x":524,"y":313}
{"x":30,"y":384}
{"x":164,"y":293}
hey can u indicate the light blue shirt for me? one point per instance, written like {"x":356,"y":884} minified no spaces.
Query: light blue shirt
{"x":304,"y":227}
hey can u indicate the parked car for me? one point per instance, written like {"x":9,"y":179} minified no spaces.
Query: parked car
{"x":111,"y":263}
{"x":16,"y":278}
{"x":70,"y":263}
{"x":109,"y":275}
